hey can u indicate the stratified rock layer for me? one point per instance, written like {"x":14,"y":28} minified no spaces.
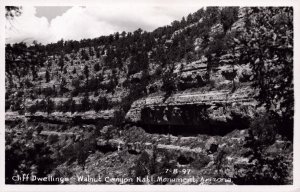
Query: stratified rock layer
{"x":212,"y":112}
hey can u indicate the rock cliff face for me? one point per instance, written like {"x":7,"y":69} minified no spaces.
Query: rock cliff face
{"x":215,"y":111}
{"x":199,"y":113}
{"x":68,"y":118}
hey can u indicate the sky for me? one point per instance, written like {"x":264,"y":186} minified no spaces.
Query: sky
{"x":52,"y":23}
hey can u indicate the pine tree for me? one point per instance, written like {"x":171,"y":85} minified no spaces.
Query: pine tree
{"x":47,"y":76}
{"x":86,"y":72}
{"x":61,"y":62}
{"x":84,"y":55}
{"x":74,"y":70}
{"x":96,"y":67}
{"x":270,"y":55}
{"x":72,"y":105}
{"x":228,"y":16}
{"x":85,"y":103}
{"x":91,"y":52}
{"x":49,"y":105}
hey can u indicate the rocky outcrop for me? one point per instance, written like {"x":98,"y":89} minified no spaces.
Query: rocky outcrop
{"x":217,"y":108}
{"x":211,"y":112}
{"x":13,"y":118}
{"x":89,"y":117}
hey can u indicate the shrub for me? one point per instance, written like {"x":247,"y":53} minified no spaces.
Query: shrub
{"x":85,"y":104}
{"x":49,"y":105}
{"x":200,"y":162}
{"x":96,"y":67}
{"x":53,"y":138}
{"x":264,"y":128}
{"x":108,"y":132}
{"x":169,"y":83}
{"x":184,"y":159}
{"x":261,"y":169}
{"x":212,"y":83}
{"x":39,"y":129}
{"x":101,"y":104}
{"x":229,"y":75}
{"x":167,"y":163}
{"x":33,"y":108}
{"x":220,"y":160}
{"x":85,"y":147}
{"x":27,"y":154}
{"x":153,"y":88}
{"x":141,"y":168}
{"x":245,"y":76}
{"x":135,"y":134}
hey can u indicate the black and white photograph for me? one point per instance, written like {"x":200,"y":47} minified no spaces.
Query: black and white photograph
{"x":149,"y":94}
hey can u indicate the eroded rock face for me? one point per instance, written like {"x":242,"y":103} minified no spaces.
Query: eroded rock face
{"x":217,"y":109}
{"x":89,"y":117}
{"x":212,"y":112}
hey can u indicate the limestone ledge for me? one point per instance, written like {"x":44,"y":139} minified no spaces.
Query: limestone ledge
{"x":220,"y":104}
